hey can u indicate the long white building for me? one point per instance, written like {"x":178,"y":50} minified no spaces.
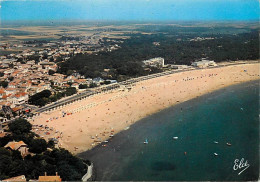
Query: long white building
{"x":154,"y":62}
{"x":203,"y":63}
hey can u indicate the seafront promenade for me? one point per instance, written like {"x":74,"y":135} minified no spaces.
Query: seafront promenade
{"x":120,"y":85}
{"x":96,"y":118}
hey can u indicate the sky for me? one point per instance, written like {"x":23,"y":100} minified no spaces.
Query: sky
{"x":142,"y":10}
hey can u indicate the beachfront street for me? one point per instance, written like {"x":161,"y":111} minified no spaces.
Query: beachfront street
{"x":101,"y":89}
{"x":64,"y":101}
{"x":124,"y":84}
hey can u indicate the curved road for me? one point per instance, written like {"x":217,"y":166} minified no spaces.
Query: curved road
{"x":105,"y":88}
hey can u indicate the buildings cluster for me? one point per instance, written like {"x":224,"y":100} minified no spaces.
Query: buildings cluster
{"x":65,"y":46}
{"x":34,"y":69}
{"x":203,"y":63}
{"x":21,"y":80}
{"x":159,"y":63}
{"x":41,"y":178}
{"x":24,"y":80}
{"x":201,"y":39}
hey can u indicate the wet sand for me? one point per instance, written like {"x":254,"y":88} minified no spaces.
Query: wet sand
{"x":95,"y":119}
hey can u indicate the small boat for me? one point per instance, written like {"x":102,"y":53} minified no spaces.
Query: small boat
{"x":215,"y":142}
{"x":146,"y":141}
{"x":106,"y":141}
{"x":241,"y":108}
{"x":111,"y":135}
{"x":229,"y":144}
{"x":175,"y":138}
{"x":215,"y":154}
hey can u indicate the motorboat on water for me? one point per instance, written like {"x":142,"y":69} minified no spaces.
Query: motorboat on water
{"x":175,"y":138}
{"x":215,"y":154}
{"x":215,"y":142}
{"x":229,"y":144}
{"x":146,"y":141}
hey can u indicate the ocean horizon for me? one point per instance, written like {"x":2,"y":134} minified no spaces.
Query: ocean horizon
{"x":203,"y":125}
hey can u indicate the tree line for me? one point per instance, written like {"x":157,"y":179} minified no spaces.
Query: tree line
{"x":46,"y":158}
{"x":44,"y":97}
{"x":176,"y":48}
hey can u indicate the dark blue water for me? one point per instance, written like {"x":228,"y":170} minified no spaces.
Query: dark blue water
{"x":227,"y":115}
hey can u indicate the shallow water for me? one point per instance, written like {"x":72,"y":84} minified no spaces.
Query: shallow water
{"x":227,"y":115}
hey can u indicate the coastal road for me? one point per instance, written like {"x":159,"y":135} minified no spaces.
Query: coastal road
{"x":125,"y":84}
{"x":64,"y":101}
{"x":98,"y":90}
{"x":76,"y":97}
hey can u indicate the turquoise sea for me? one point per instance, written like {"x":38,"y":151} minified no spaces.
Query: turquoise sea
{"x":229,"y":115}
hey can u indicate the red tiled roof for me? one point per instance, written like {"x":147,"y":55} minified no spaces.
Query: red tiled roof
{"x":20,"y":94}
{"x":2,"y":91}
{"x":16,"y":109}
{"x":49,"y":178}
{"x":17,"y":178}
{"x":10,"y":89}
{"x":2,"y":135}
{"x":4,"y":96}
{"x":15,"y":145}
{"x":12,"y":83}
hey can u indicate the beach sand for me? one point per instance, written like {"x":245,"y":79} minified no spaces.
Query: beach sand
{"x":96,"y":118}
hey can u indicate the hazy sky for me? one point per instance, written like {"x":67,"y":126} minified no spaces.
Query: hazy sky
{"x":130,"y":10}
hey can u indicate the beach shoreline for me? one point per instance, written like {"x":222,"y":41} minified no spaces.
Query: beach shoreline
{"x":101,"y":116}
{"x":193,"y":129}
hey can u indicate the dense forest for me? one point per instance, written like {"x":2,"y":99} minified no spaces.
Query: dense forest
{"x":45,"y":157}
{"x":175,"y":47}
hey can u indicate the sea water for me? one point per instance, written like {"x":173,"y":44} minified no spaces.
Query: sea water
{"x":203,"y":126}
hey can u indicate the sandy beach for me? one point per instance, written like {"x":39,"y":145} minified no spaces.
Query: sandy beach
{"x":98,"y":118}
